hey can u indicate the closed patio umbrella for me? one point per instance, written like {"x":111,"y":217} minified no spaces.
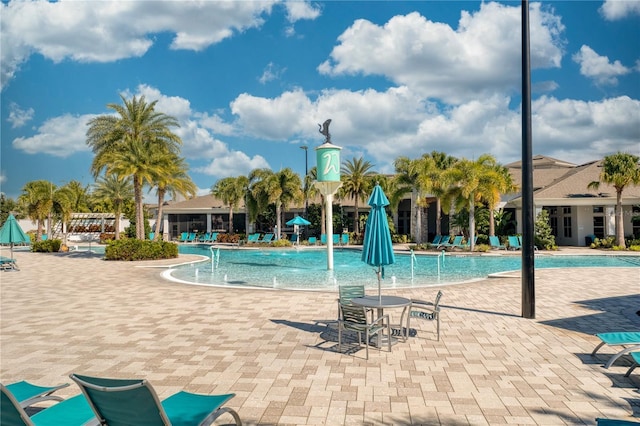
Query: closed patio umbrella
{"x":377,"y":248}
{"x":11,"y":233}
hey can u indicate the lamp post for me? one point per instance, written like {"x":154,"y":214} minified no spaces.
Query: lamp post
{"x":306,"y":173}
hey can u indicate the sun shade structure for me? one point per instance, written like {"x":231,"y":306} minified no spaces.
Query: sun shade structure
{"x":11,"y":234}
{"x":377,"y":248}
{"x":298,"y":220}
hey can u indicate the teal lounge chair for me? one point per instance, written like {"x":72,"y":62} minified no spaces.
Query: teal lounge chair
{"x":74,"y":411}
{"x":336,"y":239}
{"x":134,"y":402}
{"x":183,"y":237}
{"x":635,"y":357}
{"x":191,"y":237}
{"x":629,"y":340}
{"x":456,"y":242}
{"x":514,"y":242}
{"x":494,"y":242}
{"x":323,"y":239}
{"x":614,"y":422}
{"x":253,"y":238}
{"x":213,"y":237}
{"x":313,"y":241}
{"x":443,"y":241}
{"x":8,"y":264}
{"x":436,"y":240}
{"x":28,"y":394}
{"x":205,"y":237}
{"x":345,"y":239}
{"x":266,"y":238}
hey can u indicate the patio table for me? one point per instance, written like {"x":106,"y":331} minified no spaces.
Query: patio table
{"x":380,"y":303}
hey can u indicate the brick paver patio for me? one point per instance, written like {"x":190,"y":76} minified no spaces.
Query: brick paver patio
{"x":274,"y":349}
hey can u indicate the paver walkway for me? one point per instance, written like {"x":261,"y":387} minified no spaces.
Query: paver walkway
{"x":74,"y":313}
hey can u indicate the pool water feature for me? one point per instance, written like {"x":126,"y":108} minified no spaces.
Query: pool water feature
{"x":306,"y":268}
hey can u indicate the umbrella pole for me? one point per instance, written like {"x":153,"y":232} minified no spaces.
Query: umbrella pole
{"x":379,"y":273}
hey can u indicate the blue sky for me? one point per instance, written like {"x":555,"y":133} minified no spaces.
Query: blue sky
{"x":250,"y":81}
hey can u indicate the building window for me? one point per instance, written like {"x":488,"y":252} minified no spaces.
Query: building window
{"x":598,"y":221}
{"x":635,"y":221}
{"x":567,"y":226}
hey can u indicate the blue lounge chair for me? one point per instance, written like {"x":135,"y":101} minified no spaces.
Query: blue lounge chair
{"x":253,"y":238}
{"x":135,"y":402}
{"x":614,"y":422}
{"x":183,"y":237}
{"x":204,"y":237}
{"x":336,"y":239}
{"x":629,"y":340}
{"x":443,"y":241}
{"x":7,"y":264}
{"x":213,"y":237}
{"x":466,"y":244}
{"x":313,"y":241}
{"x":345,"y":239}
{"x":635,"y":357}
{"x":514,"y":242}
{"x":70,"y":412}
{"x":28,"y":394}
{"x":323,"y":239}
{"x":266,"y":238}
{"x":436,"y":240}
{"x":494,"y":242}
{"x":294,"y":238}
{"x":456,"y":242}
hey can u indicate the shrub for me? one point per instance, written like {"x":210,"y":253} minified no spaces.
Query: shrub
{"x":133,"y":249}
{"x":281,"y":243}
{"x":482,"y":248}
{"x":228,"y":238}
{"x":605,"y":243}
{"x":46,"y":246}
{"x":543,"y":237}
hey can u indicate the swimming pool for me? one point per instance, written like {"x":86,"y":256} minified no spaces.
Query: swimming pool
{"x":306,"y":268}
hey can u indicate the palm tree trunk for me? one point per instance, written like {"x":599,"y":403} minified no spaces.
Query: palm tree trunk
{"x":356,"y":218}
{"x":492,"y":223}
{"x":230,"y":220}
{"x":137,"y":190}
{"x":438,"y":217}
{"x":116,"y":223}
{"x":156,"y":235}
{"x":472,"y":222}
{"x":278,"y":219}
{"x":619,"y":221}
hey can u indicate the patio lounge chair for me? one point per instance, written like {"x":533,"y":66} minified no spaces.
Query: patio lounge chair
{"x":323,"y":239}
{"x":266,"y":238}
{"x":336,"y":239}
{"x":456,"y":242}
{"x":429,"y":311}
{"x":313,"y":241}
{"x":205,"y":237}
{"x":8,"y":264}
{"x":635,"y":357}
{"x":436,"y":240}
{"x":345,"y":239}
{"x":70,"y":412}
{"x":494,"y":242}
{"x":183,"y":237}
{"x":514,"y":242}
{"x":629,"y":340}
{"x":135,"y":402}
{"x":354,"y":318}
{"x":191,"y":238}
{"x":213,"y":237}
{"x":253,"y":238}
{"x":614,"y":422}
{"x":28,"y":394}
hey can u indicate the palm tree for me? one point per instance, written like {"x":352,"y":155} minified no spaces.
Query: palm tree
{"x":281,"y":189}
{"x":36,"y":201}
{"x":415,"y":176}
{"x":125,"y":144}
{"x":439,"y":186}
{"x":498,"y":182}
{"x":79,"y":196}
{"x":619,"y":170}
{"x":470,"y":178}
{"x":231,"y":190}
{"x":356,"y":176}
{"x":114,"y":191}
{"x":173,"y":180}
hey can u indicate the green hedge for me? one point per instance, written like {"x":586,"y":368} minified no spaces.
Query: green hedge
{"x":132,"y":249}
{"x":46,"y":246}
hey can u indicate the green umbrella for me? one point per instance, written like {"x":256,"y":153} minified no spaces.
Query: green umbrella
{"x":11,"y":234}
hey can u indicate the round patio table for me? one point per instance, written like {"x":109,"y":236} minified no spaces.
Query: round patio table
{"x":380,"y":303}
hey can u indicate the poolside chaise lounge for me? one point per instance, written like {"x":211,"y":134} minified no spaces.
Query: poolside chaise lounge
{"x":494,"y":242}
{"x":134,"y":401}
{"x":629,"y":340}
{"x":69,"y":412}
{"x":253,"y":238}
{"x":456,"y":242}
{"x":8,"y":264}
{"x":514,"y":242}
{"x":266,"y":238}
{"x":204,"y":237}
{"x":28,"y":394}
{"x":436,"y":240}
{"x":614,"y":422}
{"x":635,"y":357}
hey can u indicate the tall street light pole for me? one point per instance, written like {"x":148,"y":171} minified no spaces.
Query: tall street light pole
{"x":306,"y":173}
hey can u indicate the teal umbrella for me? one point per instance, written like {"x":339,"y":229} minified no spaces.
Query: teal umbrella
{"x":11,"y":234}
{"x":377,"y":248}
{"x":298,"y":220}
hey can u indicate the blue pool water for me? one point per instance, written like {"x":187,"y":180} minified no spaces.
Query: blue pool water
{"x":306,"y":268}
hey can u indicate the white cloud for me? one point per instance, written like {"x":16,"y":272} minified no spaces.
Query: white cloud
{"x":106,"y":31}
{"x":618,"y":9}
{"x":271,"y":72}
{"x":18,"y":117}
{"x":298,"y":10}
{"x":479,"y":58}
{"x":383,"y":125}
{"x":599,"y":67}
{"x":59,"y":136}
